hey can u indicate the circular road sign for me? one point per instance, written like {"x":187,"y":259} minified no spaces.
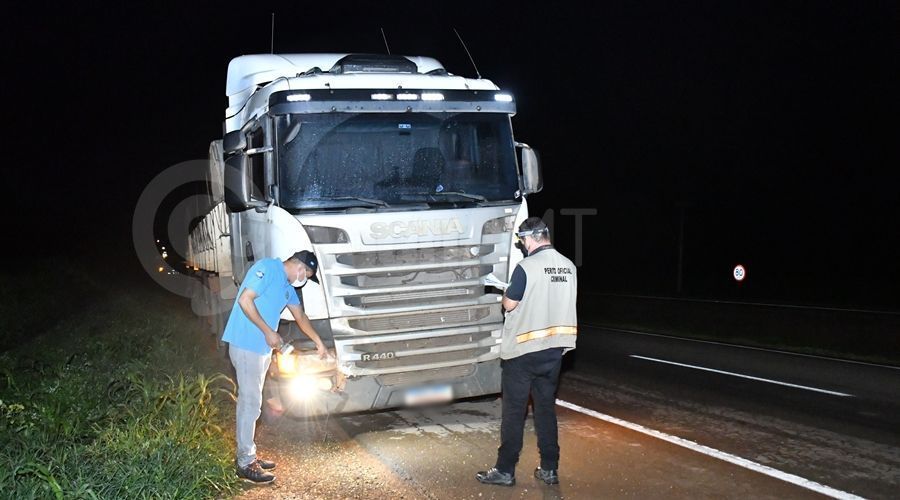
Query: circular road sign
{"x":739,"y":273}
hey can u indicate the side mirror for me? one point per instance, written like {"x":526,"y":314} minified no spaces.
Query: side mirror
{"x":234,"y":142}
{"x":238,"y":184}
{"x":532,"y":180}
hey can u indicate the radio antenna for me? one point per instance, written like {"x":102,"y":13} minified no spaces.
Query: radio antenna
{"x":385,"y":41}
{"x":467,"y":53}
{"x":273,"y":33}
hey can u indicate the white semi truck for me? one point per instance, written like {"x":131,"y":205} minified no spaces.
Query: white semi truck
{"x":407,"y":183}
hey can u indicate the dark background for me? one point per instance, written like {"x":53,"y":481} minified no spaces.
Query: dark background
{"x":771,"y":126}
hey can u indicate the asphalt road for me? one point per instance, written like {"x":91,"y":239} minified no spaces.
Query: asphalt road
{"x":827,"y":424}
{"x":826,"y":420}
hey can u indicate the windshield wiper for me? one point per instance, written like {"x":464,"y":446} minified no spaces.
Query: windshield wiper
{"x":368,"y":201}
{"x":469,"y":196}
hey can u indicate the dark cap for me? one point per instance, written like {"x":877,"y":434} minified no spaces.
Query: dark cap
{"x":532,"y":226}
{"x":310,"y":260}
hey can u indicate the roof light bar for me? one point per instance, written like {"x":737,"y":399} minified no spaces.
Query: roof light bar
{"x":407,"y":97}
{"x":432,"y":96}
{"x":503,"y":97}
{"x":298,"y":97}
{"x":382,"y":97}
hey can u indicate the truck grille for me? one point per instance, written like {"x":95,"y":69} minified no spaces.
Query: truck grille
{"x":413,"y":256}
{"x":431,"y":342}
{"x":413,"y":277}
{"x":392,"y":278}
{"x":406,"y":308}
{"x":420,"y":320}
{"x":421,"y":341}
{"x":413,"y":298}
{"x":422,"y":359}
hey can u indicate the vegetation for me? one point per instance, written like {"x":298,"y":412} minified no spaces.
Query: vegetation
{"x":109,"y":403}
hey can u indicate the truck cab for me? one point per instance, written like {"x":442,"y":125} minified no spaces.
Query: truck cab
{"x":407,"y":183}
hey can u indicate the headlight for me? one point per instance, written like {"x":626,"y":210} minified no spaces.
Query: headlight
{"x":499,"y":225}
{"x":287,"y":365}
{"x":306,"y":387}
{"x":303,"y":387}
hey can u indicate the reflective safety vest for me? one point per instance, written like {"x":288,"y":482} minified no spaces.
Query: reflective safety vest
{"x":545,"y":317}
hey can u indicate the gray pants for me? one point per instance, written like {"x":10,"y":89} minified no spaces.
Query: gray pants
{"x":251,"y":371}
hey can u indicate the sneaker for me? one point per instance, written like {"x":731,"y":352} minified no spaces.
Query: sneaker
{"x":254,"y":472}
{"x":265,"y":464}
{"x":494,"y":476}
{"x":547,"y":476}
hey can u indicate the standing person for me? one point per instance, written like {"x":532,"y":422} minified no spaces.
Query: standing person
{"x":540,"y":327}
{"x":251,"y":333}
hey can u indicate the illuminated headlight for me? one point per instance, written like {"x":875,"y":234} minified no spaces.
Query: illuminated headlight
{"x":432,"y":96}
{"x":298,"y":97}
{"x":407,"y":97}
{"x":322,"y":234}
{"x":499,"y":225}
{"x":503,"y":97}
{"x":303,"y":387}
{"x":306,"y":386}
{"x":287,"y":365}
{"x":382,"y":97}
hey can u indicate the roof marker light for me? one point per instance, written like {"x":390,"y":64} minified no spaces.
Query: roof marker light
{"x":407,"y":97}
{"x":503,"y":97}
{"x":298,"y":97}
{"x":382,"y":97}
{"x":432,"y":96}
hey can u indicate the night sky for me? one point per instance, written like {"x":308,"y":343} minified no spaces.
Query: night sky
{"x":771,"y":126}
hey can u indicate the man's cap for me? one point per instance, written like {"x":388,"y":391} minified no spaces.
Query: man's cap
{"x":310,"y":260}
{"x":532,"y":226}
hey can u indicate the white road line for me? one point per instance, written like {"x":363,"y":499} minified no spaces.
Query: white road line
{"x":712,"y":452}
{"x":824,"y":391}
{"x":737,"y":346}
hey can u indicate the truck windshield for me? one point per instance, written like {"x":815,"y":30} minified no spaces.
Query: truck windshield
{"x":333,"y":160}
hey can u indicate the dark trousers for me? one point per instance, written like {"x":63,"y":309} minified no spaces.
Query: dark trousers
{"x":537,"y":374}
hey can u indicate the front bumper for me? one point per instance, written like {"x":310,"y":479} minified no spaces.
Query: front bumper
{"x":387,"y":391}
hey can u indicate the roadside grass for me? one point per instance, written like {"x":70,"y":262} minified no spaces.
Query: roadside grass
{"x":858,"y":336}
{"x":111,"y":402}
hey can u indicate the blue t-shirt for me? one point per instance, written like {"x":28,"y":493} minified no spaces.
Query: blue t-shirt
{"x":273,"y":292}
